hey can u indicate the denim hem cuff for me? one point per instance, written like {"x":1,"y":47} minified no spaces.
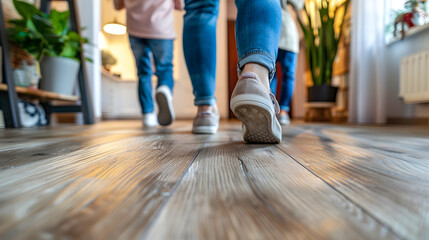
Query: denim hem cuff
{"x":259,"y":57}
{"x":285,"y":108}
{"x":206,"y":101}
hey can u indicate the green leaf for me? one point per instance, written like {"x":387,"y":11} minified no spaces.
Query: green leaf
{"x":20,"y":36}
{"x":30,"y":25}
{"x":18,"y":23}
{"x":43,"y":34}
{"x":322,"y":38}
{"x":70,"y":50}
{"x":74,"y":36}
{"x":26,"y":10}
{"x":60,"y":21}
{"x":44,"y":26}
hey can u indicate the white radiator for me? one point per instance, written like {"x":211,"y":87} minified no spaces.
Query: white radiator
{"x":414,"y":80}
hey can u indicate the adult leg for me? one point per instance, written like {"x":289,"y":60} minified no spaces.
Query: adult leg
{"x":162,"y":50}
{"x":144,"y":71}
{"x":258,"y":34}
{"x":199,"y":45}
{"x":288,"y":62}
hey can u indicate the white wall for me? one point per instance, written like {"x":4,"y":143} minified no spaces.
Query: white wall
{"x":119,"y":46}
{"x":394,"y":53}
{"x":183,"y":97}
{"x":89,"y":15}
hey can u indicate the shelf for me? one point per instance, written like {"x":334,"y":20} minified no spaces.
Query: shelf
{"x":40,"y":94}
{"x":413,"y":31}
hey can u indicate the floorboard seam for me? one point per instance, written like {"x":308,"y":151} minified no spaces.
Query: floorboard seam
{"x":345,"y":196}
{"x":256,"y":188}
{"x":158,"y":212}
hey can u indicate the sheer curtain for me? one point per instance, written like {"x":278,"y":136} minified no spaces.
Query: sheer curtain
{"x":367,"y":78}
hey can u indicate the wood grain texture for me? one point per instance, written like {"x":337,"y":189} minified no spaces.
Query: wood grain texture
{"x":40,"y":94}
{"x":29,"y":145}
{"x":258,"y":192}
{"x":108,"y":191}
{"x":115,"y":181}
{"x":386,"y":174}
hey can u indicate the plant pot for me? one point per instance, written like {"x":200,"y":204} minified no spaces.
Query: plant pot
{"x":322,"y":93}
{"x":59,"y":74}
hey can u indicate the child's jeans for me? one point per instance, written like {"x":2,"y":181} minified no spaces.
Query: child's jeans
{"x":287,"y":61}
{"x":162,"y":52}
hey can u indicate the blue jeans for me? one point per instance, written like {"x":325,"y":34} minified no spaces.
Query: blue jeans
{"x":162,"y":52}
{"x":257,"y":30}
{"x":287,"y":61}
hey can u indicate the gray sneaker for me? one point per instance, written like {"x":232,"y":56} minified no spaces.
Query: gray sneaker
{"x":283,"y":119}
{"x":256,"y":108}
{"x":206,"y":123}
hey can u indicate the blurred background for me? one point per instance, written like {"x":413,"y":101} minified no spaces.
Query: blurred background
{"x":381,"y":72}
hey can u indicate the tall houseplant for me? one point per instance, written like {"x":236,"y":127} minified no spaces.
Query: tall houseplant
{"x":50,"y":40}
{"x":323,"y":29}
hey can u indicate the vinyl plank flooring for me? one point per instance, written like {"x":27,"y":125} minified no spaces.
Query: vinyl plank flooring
{"x":392,"y":185}
{"x":238,"y":191}
{"x":107,"y":191}
{"x":383,"y":139}
{"x":115,"y":181}
{"x":18,"y":149}
{"x":28,"y":152}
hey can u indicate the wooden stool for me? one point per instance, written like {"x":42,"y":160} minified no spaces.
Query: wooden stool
{"x":318,"y":111}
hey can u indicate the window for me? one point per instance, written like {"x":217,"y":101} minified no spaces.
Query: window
{"x":396,"y":10}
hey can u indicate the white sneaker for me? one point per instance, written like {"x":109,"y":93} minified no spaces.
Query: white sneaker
{"x":284,"y":119}
{"x":164,"y":99}
{"x":149,"y":120}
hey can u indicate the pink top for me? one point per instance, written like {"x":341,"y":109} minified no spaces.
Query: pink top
{"x":151,"y":19}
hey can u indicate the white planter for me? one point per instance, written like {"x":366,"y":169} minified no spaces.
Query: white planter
{"x":59,"y":74}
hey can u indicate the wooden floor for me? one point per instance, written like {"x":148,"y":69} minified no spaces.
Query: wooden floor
{"x":116,"y":181}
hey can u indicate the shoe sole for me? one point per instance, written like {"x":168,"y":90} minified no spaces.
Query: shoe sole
{"x":165,"y":113}
{"x":205,"y":129}
{"x":258,"y":117}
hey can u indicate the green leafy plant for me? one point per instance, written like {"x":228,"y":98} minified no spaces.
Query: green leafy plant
{"x":322,"y":33}
{"x":42,"y":34}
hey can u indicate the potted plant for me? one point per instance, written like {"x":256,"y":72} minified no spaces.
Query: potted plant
{"x":50,"y":40}
{"x":323,"y":30}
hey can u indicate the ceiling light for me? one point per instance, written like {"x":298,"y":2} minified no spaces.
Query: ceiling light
{"x":115,"y":28}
